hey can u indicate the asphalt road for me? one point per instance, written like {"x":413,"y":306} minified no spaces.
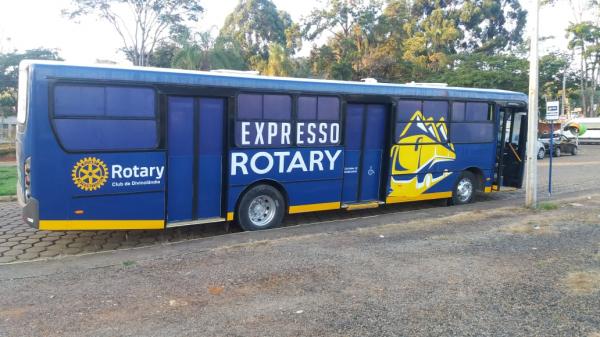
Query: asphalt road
{"x":486,"y":269}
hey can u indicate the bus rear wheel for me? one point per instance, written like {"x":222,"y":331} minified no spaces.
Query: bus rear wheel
{"x":464,"y":189}
{"x":261,"y":207}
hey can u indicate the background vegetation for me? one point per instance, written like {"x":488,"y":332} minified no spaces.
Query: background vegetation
{"x":472,"y":43}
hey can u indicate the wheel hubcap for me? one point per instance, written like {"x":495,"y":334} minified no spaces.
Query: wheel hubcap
{"x":261,"y":210}
{"x":464,"y":189}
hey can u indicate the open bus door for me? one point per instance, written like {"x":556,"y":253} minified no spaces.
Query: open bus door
{"x":512,"y":140}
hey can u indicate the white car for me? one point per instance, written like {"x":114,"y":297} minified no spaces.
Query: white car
{"x":541,"y":150}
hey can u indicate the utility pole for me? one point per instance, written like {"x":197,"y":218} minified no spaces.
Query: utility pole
{"x":532,"y":115}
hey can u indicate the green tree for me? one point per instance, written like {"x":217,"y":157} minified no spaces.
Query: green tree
{"x":438,"y":30}
{"x":578,"y":35}
{"x":228,"y":54}
{"x":431,"y":41}
{"x":351,"y":24}
{"x":480,"y":70}
{"x":162,"y":56}
{"x":195,"y":53}
{"x":256,"y":24}
{"x":152,"y":21}
{"x":9,"y":75}
{"x":490,"y":26}
{"x":279,"y":63}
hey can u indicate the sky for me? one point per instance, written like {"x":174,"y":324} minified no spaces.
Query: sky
{"x":27,"y":24}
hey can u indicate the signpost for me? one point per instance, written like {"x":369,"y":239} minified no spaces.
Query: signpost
{"x":552,"y":109}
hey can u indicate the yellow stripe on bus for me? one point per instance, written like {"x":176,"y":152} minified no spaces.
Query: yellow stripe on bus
{"x":488,"y":189}
{"x":229,"y":216}
{"x":426,"y":196}
{"x":87,"y":225}
{"x":315,"y":207}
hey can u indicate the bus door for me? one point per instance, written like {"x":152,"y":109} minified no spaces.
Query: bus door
{"x":365,"y":134}
{"x":195,"y":136}
{"x":512,"y":139}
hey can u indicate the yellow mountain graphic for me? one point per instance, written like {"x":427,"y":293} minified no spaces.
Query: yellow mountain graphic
{"x":422,"y":144}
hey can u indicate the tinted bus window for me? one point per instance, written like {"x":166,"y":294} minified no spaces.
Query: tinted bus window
{"x":277,"y":107}
{"x":437,"y":110}
{"x":249,"y":106}
{"x":472,"y":122}
{"x":458,"y":111}
{"x":307,"y":108}
{"x":77,"y":100}
{"x":318,"y":121}
{"x":477,"y":112}
{"x":130,"y":102}
{"x":422,"y":121}
{"x":102,"y":118}
{"x":405,"y":110}
{"x":318,"y":108}
{"x":263,"y":121}
{"x":472,"y":133}
{"x":328,"y":108}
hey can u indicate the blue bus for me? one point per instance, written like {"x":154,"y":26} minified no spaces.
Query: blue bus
{"x":121,"y":148}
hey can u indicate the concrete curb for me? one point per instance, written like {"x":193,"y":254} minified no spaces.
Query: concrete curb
{"x":8,"y":198}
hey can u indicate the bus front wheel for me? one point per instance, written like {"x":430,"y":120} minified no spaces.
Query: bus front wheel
{"x":464,"y":189}
{"x":261,"y":207}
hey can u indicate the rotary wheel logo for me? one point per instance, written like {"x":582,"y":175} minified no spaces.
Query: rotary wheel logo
{"x":89,"y":174}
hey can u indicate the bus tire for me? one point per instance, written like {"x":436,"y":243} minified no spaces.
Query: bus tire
{"x":464,"y":189}
{"x":541,"y":153}
{"x":261,"y":207}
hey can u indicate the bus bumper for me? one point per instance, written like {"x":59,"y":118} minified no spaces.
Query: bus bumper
{"x":31,"y":213}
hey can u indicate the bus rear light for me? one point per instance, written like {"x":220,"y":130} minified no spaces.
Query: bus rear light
{"x":27,"y":170}
{"x":79,"y":212}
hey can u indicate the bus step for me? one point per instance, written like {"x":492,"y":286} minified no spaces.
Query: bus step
{"x":194,"y":222}
{"x":362,"y":205}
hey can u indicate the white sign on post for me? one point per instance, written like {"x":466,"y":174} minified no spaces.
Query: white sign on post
{"x":552,"y":109}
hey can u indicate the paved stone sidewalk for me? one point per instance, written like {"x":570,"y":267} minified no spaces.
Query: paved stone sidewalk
{"x":19,"y":242}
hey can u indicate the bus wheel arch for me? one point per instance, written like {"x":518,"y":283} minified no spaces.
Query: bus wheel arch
{"x":260,"y":197}
{"x":479,"y":178}
{"x":468,"y":182}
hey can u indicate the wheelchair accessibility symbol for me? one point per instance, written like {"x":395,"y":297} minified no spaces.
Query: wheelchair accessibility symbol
{"x":371,"y":171}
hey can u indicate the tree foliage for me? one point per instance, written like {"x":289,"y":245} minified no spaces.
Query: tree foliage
{"x":256,"y":24}
{"x":9,"y":74}
{"x":141,"y":24}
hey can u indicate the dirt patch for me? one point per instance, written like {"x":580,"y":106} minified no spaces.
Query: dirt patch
{"x":216,"y":290}
{"x":583,"y":282}
{"x":462,"y":217}
{"x":529,"y":227}
{"x":13,"y":313}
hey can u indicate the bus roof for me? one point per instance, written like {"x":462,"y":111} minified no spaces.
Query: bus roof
{"x":60,"y":69}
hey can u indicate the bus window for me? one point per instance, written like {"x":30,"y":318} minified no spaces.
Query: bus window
{"x":427,"y":122}
{"x":458,"y":111}
{"x":105,"y":118}
{"x":263,"y":121}
{"x":477,"y":125}
{"x":318,"y":121}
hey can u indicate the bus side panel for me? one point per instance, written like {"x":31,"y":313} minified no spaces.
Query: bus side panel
{"x":310,"y":176}
{"x":437,"y":177}
{"x":304,"y":196}
{"x":138,"y":206}
{"x":89,"y":190}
